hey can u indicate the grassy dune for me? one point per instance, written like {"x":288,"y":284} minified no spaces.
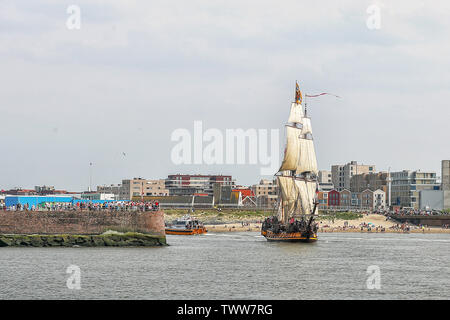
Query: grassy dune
{"x":213,"y":216}
{"x":347,"y":215}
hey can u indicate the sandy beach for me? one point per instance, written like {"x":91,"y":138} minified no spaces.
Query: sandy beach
{"x":250,"y":221}
{"x":378,"y":224}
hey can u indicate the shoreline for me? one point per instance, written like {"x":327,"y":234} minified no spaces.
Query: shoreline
{"x":370,"y":223}
{"x":235,"y":227}
{"x":221,"y":222}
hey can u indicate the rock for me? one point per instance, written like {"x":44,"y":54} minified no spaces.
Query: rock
{"x":5,"y":242}
{"x":97,"y":241}
{"x":36,"y":241}
{"x":130,"y":239}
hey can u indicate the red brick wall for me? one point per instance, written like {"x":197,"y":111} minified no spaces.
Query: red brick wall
{"x":80,"y":222}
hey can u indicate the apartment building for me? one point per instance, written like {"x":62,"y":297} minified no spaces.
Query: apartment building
{"x":341,"y":174}
{"x":371,"y":181}
{"x":142,"y":187}
{"x":373,"y":199}
{"x":186,"y":184}
{"x":266,"y":193}
{"x":325,"y":181}
{"x":407,"y":184}
{"x":324,"y":176}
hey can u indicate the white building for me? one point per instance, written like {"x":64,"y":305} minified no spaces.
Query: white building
{"x":446,"y":183}
{"x":324,"y":176}
{"x":98,"y":196}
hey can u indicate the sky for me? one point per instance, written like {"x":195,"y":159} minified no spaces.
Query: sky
{"x":112,"y":92}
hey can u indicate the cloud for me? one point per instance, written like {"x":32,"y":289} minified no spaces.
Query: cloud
{"x":160,"y":65}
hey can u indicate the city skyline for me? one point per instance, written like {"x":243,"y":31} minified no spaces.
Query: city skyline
{"x":95,"y":185}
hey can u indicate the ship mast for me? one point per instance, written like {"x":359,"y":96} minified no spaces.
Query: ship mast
{"x":297,"y":176}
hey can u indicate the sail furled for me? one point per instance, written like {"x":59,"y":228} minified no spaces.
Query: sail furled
{"x":291,"y":153}
{"x":296,"y":114}
{"x":306,"y":195}
{"x":288,"y":192}
{"x":307,"y":161}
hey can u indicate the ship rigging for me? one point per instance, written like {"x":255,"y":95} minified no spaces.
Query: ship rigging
{"x":296,"y":180}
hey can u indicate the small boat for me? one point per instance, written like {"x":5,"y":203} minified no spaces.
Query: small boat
{"x":186,"y":226}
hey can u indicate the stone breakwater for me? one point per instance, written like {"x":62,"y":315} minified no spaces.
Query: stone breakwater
{"x":81,"y":222}
{"x":129,"y":239}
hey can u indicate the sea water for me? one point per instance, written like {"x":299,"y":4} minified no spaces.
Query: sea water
{"x":237,"y":266}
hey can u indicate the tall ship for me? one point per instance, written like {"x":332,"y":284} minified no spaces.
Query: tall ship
{"x":293,"y":218}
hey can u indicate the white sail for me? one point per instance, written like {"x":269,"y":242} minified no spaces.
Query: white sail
{"x":312,"y":187}
{"x":280,"y":213}
{"x":296,"y":114}
{"x":288,"y":192}
{"x":291,"y":153}
{"x":307,"y":161}
{"x":306,"y":194}
{"x":307,"y":128}
{"x":297,"y":194}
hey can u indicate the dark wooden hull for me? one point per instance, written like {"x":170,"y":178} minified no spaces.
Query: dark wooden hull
{"x":288,"y":237}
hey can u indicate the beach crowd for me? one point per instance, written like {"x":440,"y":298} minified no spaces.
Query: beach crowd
{"x":90,"y":206}
{"x":412,"y":212}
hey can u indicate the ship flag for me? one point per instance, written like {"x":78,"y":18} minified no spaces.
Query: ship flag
{"x":320,"y":94}
{"x":298,"y":94}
